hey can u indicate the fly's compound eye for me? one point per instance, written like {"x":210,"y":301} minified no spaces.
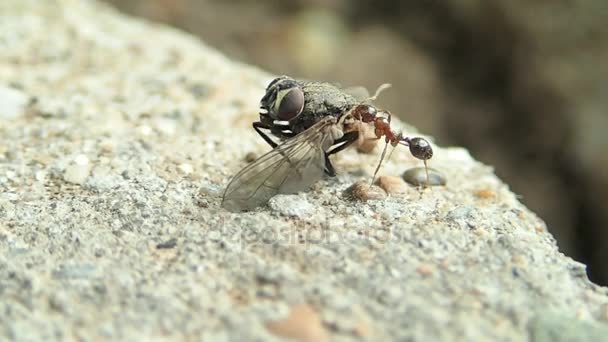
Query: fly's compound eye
{"x":277,"y":80}
{"x":290,"y":103}
{"x":421,"y":149}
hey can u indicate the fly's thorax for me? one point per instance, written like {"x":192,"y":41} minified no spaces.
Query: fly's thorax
{"x":322,"y":99}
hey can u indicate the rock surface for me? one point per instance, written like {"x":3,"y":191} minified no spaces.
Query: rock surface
{"x":111,"y":174}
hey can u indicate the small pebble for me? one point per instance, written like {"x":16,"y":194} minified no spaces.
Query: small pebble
{"x":392,"y":185}
{"x":424,"y":270}
{"x":107,"y":146}
{"x":13,"y":102}
{"x":363,"y":191}
{"x":459,"y":213}
{"x":145,"y":130}
{"x":167,"y":244}
{"x":303,"y":325}
{"x":186,"y":168}
{"x":417,"y":176}
{"x":362,"y":330}
{"x":81,"y":160}
{"x":519,"y":260}
{"x":78,"y":172}
{"x":40,"y":176}
{"x":484,"y":194}
{"x":251,"y":156}
{"x":291,"y":205}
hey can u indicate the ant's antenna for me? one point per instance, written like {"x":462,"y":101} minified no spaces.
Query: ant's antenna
{"x":380,"y":89}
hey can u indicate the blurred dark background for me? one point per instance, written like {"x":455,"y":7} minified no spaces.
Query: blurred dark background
{"x":522,"y":84}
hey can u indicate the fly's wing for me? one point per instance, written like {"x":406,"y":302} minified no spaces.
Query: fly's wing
{"x":290,"y":167}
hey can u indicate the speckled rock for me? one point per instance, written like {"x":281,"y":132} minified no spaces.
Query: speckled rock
{"x":132,"y":244}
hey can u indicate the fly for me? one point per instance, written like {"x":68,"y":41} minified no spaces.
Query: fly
{"x":312,"y":121}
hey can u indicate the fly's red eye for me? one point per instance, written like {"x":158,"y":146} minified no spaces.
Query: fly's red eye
{"x":291,"y":104}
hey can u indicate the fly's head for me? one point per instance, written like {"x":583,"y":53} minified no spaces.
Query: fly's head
{"x":284,"y":99}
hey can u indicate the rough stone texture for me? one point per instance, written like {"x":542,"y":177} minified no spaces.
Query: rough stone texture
{"x":111,"y":177}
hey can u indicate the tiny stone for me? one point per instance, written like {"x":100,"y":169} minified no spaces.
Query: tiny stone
{"x":392,"y":185}
{"x":186,"y":168}
{"x":40,"y":175}
{"x":251,"y":156}
{"x":78,"y":172}
{"x":58,"y":302}
{"x":362,"y":330}
{"x":107,"y":146}
{"x":81,"y":159}
{"x":417,"y":176}
{"x":461,"y":212}
{"x":519,"y":260}
{"x":12,"y":102}
{"x":363,"y":191}
{"x":198,"y":90}
{"x":167,"y":244}
{"x":424,"y":270}
{"x":145,"y":130}
{"x":302,"y":324}
{"x":291,"y":205}
{"x":266,"y":291}
{"x":484,"y":194}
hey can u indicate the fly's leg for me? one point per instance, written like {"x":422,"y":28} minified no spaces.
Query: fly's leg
{"x":346,"y":140}
{"x":342,"y":143}
{"x":258,"y":126}
{"x":329,"y":169}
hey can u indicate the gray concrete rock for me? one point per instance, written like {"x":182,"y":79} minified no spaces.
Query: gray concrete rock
{"x":132,"y":244}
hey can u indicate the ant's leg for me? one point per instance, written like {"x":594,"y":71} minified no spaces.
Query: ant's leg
{"x":345,"y":141}
{"x":258,"y":126}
